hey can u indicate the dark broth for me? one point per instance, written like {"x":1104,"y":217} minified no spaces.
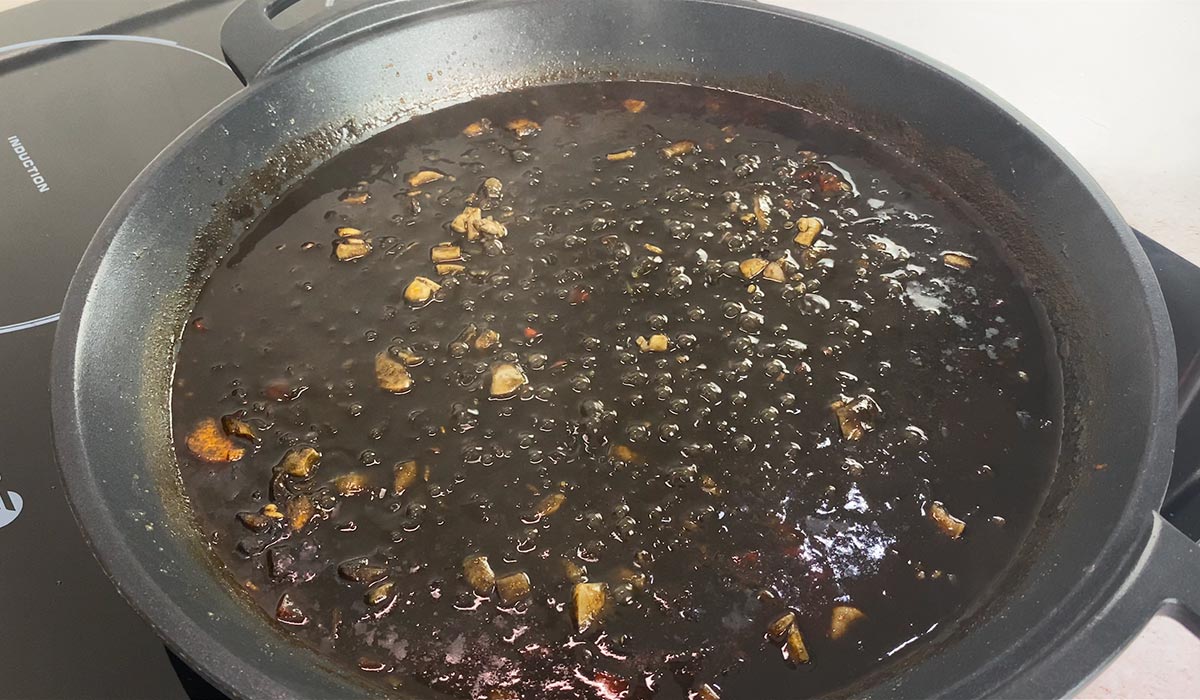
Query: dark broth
{"x":710,"y":487}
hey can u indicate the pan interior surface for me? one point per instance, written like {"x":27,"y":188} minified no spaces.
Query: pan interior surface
{"x":700,"y":475}
{"x":181,"y":216}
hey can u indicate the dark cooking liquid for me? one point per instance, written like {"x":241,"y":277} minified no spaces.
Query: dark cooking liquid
{"x":709,"y":486}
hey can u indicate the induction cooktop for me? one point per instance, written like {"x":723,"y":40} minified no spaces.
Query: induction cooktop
{"x":90,"y":92}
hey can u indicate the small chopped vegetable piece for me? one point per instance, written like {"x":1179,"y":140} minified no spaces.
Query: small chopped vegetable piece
{"x":752,"y":267}
{"x":299,"y":511}
{"x":424,"y":177}
{"x":445,"y":252}
{"x":272,"y":511}
{"x":774,"y":271}
{"x":624,"y":453}
{"x":807,"y":230}
{"x":491,"y":227}
{"x":587,"y":602}
{"x":762,"y":211}
{"x":636,"y":579}
{"x":350,"y":484}
{"x":948,"y":524}
{"x":512,"y":587}
{"x":478,"y":128}
{"x":405,"y":475}
{"x":468,"y":333}
{"x":843,"y":617}
{"x":777,"y":631}
{"x":811,"y":256}
{"x":347,"y":231}
{"x":679,"y":148}
{"x":622,"y":155}
{"x":360,"y":571}
{"x":506,"y":379}
{"x":958,"y":261}
{"x":355,"y":197}
{"x":408,"y":357}
{"x":653,"y":248}
{"x":236,"y":427}
{"x":487,"y":340}
{"x":391,"y":374}
{"x":549,"y":504}
{"x":287,"y":612}
{"x":857,"y":416}
{"x":831,"y":183}
{"x":299,"y":462}
{"x":492,"y":187}
{"x":633,"y":106}
{"x":254,"y":522}
{"x":209,"y":443}
{"x":704,"y":692}
{"x":444,"y":269}
{"x":793,"y":648}
{"x":523,"y":127}
{"x":574,"y":572}
{"x":478,"y":573}
{"x":787,"y":263}
{"x":420,"y":290}
{"x":464,"y":222}
{"x":730,"y":133}
{"x":655,"y":343}
{"x":348,"y":249}
{"x":379,"y":593}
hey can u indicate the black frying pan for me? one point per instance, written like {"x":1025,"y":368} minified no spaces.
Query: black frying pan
{"x":1102,"y":560}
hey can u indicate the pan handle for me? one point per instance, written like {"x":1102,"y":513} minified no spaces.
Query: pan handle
{"x":254,"y":46}
{"x":1165,"y":579}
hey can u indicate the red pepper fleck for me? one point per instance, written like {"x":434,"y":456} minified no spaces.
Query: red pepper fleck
{"x":282,"y":390}
{"x":609,"y":686}
{"x":746,"y":559}
{"x":276,"y":390}
{"x":829,"y":182}
{"x":579,"y":295}
{"x":531,"y":332}
{"x":200,"y":325}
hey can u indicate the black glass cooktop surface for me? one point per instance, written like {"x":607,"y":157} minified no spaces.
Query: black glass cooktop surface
{"x":89,"y":93}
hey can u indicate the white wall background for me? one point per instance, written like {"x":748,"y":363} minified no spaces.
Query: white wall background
{"x":1117,"y":82}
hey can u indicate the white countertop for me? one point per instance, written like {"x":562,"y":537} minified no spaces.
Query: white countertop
{"x":1112,"y":82}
